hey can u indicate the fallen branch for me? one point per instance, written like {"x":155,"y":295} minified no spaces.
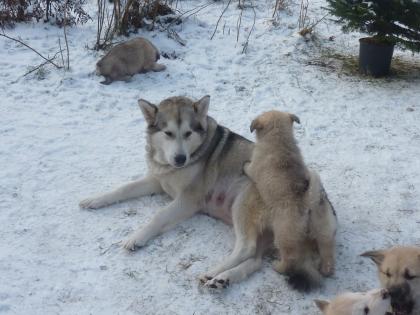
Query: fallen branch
{"x":220,"y":17}
{"x":34,"y":50}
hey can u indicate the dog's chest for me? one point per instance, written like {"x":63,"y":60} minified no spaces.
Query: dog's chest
{"x":178,"y":182}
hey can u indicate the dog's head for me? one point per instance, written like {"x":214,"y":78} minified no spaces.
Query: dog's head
{"x":273,"y":120}
{"x":399,"y":272}
{"x":375,"y":302}
{"x":176,"y":128}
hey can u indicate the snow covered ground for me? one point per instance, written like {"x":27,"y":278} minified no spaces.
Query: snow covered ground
{"x":64,"y":136}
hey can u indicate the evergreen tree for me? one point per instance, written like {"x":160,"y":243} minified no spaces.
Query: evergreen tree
{"x":392,"y":21}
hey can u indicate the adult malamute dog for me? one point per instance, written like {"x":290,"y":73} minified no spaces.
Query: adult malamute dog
{"x":191,"y":158}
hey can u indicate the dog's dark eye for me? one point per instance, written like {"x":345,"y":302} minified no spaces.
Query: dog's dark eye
{"x":366,"y":310}
{"x":187,"y":134}
{"x":407,"y":276}
{"x":169,"y":134}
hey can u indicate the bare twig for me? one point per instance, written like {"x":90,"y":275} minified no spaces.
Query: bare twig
{"x":193,"y":10}
{"x":279,"y":4}
{"x":238,"y":24}
{"x":65,"y":36}
{"x":249,"y":34}
{"x":220,"y":17}
{"x":303,"y":14}
{"x":61,"y":50}
{"x":34,"y":50}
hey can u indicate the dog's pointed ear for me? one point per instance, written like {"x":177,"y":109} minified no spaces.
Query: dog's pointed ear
{"x":294,"y":118}
{"x":322,"y":304}
{"x":376,"y":255}
{"x":255,"y":125}
{"x":149,"y":111}
{"x":201,"y":107}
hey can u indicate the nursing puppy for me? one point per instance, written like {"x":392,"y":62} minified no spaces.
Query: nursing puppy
{"x":375,"y":302}
{"x":399,"y":273}
{"x":137,"y":55}
{"x":287,"y":199}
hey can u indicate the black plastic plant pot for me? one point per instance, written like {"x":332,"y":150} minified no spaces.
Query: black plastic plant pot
{"x":375,"y":57}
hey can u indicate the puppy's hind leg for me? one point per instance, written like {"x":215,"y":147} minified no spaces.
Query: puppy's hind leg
{"x":147,"y":186}
{"x":326,"y":247}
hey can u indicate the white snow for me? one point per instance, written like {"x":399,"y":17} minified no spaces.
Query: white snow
{"x":66,"y":137}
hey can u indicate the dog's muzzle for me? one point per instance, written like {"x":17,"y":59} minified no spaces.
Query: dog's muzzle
{"x":401,"y":300}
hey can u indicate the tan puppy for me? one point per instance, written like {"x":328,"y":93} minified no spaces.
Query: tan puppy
{"x":399,"y":273}
{"x":375,"y":302}
{"x":284,"y":199}
{"x":301,"y":216}
{"x":137,"y":55}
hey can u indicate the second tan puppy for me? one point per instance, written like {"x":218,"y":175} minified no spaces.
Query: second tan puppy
{"x":375,"y":302}
{"x":286,"y":199}
{"x":137,"y":55}
{"x":301,"y":217}
{"x":399,"y":273}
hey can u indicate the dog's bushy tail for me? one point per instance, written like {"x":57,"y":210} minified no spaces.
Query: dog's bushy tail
{"x":305,"y":277}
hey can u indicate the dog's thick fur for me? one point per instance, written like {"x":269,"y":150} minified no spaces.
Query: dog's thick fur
{"x":399,"y":273}
{"x":375,"y":302}
{"x":286,"y":199}
{"x":209,"y":180}
{"x":137,"y":55}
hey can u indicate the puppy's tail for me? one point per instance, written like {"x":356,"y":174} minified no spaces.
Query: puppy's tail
{"x":304,"y":277}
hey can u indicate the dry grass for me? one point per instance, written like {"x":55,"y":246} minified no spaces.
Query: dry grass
{"x":348,"y":65}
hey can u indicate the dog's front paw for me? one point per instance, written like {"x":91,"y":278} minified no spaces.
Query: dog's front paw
{"x":204,"y":279}
{"x":93,"y":203}
{"x":132,"y":243}
{"x":217,"y":283}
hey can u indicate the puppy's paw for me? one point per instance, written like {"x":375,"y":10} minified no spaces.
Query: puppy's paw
{"x":279,"y":266}
{"x":93,"y":203}
{"x":217,"y":283}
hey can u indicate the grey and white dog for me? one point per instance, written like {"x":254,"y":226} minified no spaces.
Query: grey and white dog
{"x":191,"y":158}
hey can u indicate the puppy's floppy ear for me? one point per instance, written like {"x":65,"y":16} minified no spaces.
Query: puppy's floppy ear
{"x":201,"y":107}
{"x":376,"y":255}
{"x":255,"y":125}
{"x":294,"y":118}
{"x":149,"y":111}
{"x":322,"y":305}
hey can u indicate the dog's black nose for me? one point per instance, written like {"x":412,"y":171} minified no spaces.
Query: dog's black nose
{"x":399,"y":292}
{"x":180,"y":159}
{"x":401,"y":299}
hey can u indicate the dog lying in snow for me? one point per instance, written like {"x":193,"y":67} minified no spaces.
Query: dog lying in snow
{"x":137,"y":55}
